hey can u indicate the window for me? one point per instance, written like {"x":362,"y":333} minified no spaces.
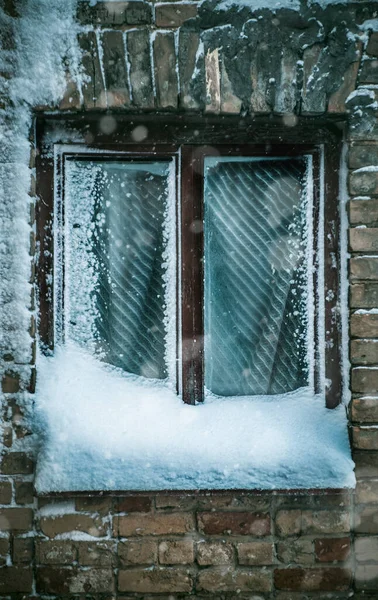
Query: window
{"x":213,"y":268}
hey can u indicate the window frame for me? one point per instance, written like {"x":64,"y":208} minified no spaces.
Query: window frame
{"x":190,"y":141}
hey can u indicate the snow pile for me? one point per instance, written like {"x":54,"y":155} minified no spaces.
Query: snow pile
{"x":41,"y":39}
{"x":103,"y":429}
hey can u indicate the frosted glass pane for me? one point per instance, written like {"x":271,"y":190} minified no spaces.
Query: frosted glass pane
{"x":256,"y":276}
{"x":116,"y":274}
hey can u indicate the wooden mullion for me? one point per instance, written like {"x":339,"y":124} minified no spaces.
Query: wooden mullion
{"x":316,"y":266}
{"x":332,"y":276}
{"x":192,"y":275}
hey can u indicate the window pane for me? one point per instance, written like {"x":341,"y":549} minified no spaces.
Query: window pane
{"x":117,"y":273}
{"x":257,"y":273}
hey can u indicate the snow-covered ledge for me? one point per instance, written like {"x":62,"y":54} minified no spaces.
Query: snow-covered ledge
{"x":104,"y":430}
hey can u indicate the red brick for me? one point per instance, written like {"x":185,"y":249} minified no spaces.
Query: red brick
{"x":330,"y":550}
{"x":55,"y":525}
{"x":16,"y":580}
{"x":228,"y":579}
{"x":23,"y":550}
{"x":5,"y":492}
{"x":16,"y":463}
{"x":62,"y":552}
{"x":52,"y":580}
{"x":313,"y":580}
{"x":94,"y":504}
{"x":153,"y":524}
{"x":214,"y":553}
{"x":140,"y":552}
{"x":174,"y":14}
{"x":234,"y":523}
{"x":10,"y":383}
{"x":255,"y":553}
{"x":288,"y":522}
{"x":133,"y":504}
{"x":365,"y":380}
{"x":177,"y":552}
{"x":16,"y":519}
{"x":158,"y":580}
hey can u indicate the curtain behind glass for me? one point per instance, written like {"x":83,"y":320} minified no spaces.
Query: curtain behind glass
{"x":123,"y":245}
{"x":256,"y":276}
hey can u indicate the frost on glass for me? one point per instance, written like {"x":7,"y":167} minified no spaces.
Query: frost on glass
{"x":257,"y":276}
{"x":116,"y":264}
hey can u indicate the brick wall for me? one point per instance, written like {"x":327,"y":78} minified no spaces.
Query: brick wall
{"x":146,"y":57}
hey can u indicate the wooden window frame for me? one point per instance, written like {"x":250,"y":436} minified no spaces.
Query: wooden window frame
{"x":190,"y":141}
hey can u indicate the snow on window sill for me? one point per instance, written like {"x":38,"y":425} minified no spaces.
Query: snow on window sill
{"x":103,"y":430}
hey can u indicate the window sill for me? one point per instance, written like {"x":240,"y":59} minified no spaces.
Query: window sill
{"x":97,"y":435}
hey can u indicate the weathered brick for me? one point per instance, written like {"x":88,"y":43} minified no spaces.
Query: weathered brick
{"x":372,"y":47}
{"x":234,"y":523}
{"x":115,"y":69}
{"x":363,"y":212}
{"x":16,"y":580}
{"x":363,"y":239}
{"x":212,"y":81}
{"x":313,"y":580}
{"x":158,"y":580}
{"x":54,"y":525}
{"x":361,"y":155}
{"x":62,"y":552}
{"x":16,"y":519}
{"x":178,"y":552}
{"x":288,"y":522}
{"x":133,"y":504}
{"x":24,"y":492}
{"x":364,"y":295}
{"x":4,"y":550}
{"x":16,"y":463}
{"x":255,"y":553}
{"x":5,"y":492}
{"x":363,"y":183}
{"x":364,"y":325}
{"x":22,"y":551}
{"x":97,"y":554}
{"x":95,"y":504}
{"x":10,"y":383}
{"x":190,"y":64}
{"x":165,"y":70}
{"x":364,"y":352}
{"x":138,"y":46}
{"x":325,"y":521}
{"x":364,"y":380}
{"x":365,"y":438}
{"x":177,"y":502}
{"x":215,"y":502}
{"x":366,"y":463}
{"x":299,"y":551}
{"x":153,"y":524}
{"x":367,"y":492}
{"x":174,"y":14}
{"x":7,"y":436}
{"x":362,"y":267}
{"x":366,"y":519}
{"x":214,"y":553}
{"x":366,"y":577}
{"x":141,"y":552}
{"x":366,"y":549}
{"x":369,"y":72}
{"x":364,"y":410}
{"x":93,"y":84}
{"x":228,"y":579}
{"x":54,"y":580}
{"x":332,"y":549}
